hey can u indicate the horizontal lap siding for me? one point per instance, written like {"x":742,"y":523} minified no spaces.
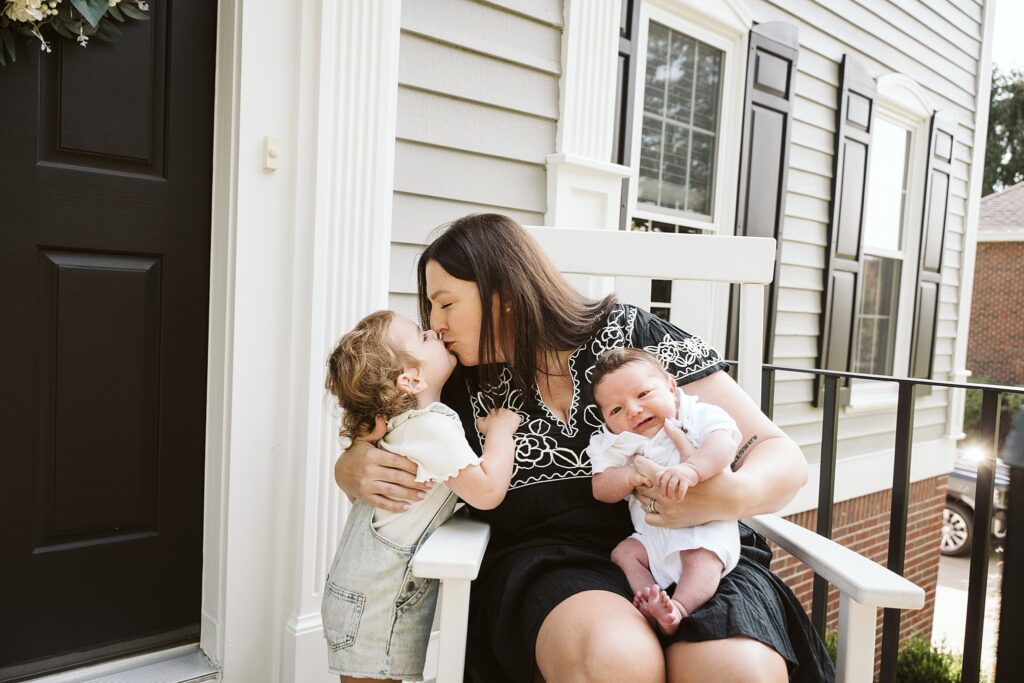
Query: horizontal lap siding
{"x":477,"y":110}
{"x":936,"y":43}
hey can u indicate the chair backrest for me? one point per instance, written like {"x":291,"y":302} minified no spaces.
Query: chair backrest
{"x":619,"y":259}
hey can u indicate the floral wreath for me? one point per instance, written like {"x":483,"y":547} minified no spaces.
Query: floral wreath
{"x":77,"y":20}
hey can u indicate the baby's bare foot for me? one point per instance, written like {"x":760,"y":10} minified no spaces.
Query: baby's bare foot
{"x":662,"y":611}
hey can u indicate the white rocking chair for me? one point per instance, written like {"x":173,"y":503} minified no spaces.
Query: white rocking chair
{"x":454,"y":552}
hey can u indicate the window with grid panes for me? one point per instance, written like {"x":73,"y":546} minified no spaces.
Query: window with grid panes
{"x":679,"y":132}
{"x":882,"y":265}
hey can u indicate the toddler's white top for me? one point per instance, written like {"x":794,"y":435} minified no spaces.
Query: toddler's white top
{"x":433,"y":438}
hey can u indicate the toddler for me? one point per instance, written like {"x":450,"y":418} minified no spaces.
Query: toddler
{"x":376,"y":614}
{"x":647,"y":416}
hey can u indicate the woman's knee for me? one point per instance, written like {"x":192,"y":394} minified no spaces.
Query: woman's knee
{"x":598,"y":636}
{"x":740,"y":659}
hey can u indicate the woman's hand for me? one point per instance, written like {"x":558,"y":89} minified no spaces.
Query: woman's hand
{"x":384,"y":480}
{"x":708,"y":501}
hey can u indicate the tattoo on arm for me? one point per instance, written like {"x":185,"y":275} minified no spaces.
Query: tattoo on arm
{"x":742,"y":452}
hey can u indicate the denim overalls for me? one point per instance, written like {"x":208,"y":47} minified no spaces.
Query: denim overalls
{"x":377,"y":615}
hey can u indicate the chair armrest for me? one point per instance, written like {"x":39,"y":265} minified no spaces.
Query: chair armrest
{"x":865,"y":581}
{"x":454,"y":551}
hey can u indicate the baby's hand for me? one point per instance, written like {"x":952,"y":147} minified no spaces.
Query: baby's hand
{"x":647,"y":467}
{"x":637,"y":480}
{"x":499,"y":421}
{"x":675,"y":481}
{"x":681,"y":441}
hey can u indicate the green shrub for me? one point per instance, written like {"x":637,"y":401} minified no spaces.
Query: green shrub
{"x":918,"y":661}
{"x":1008,"y":406}
{"x":921,"y":662}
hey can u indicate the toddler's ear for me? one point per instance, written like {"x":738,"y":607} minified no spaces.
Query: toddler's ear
{"x":411,"y":383}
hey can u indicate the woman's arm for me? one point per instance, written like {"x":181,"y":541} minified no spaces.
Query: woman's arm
{"x":384,"y":480}
{"x":770,"y":467}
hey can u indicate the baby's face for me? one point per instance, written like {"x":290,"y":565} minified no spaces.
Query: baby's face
{"x":435,"y":362}
{"x":636,"y":398}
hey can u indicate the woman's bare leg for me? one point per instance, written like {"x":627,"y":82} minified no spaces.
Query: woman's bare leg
{"x":739,"y":660}
{"x":597,"y":637}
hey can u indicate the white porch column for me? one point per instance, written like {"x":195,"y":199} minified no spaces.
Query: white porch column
{"x":584,"y":187}
{"x":298,"y":254}
{"x":348,"y":102}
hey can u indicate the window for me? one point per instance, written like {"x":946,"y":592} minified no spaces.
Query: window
{"x":682,"y":91}
{"x":683,"y":114}
{"x":885,"y":215}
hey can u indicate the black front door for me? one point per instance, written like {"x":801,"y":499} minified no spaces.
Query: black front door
{"x":105,"y":177}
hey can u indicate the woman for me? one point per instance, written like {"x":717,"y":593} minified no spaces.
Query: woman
{"x":548,"y":600}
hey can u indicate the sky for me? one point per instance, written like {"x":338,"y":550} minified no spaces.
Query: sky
{"x":1007,"y":46}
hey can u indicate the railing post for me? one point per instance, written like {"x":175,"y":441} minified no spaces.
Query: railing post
{"x":826,"y":493}
{"x":1009,"y":654}
{"x":855,"y":661}
{"x":980,"y":546}
{"x":768,"y":391}
{"x":898,"y":522}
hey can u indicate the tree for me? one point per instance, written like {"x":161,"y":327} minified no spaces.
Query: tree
{"x":1004,"y":151}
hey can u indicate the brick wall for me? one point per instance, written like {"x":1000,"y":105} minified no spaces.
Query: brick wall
{"x":862,"y":524}
{"x":997,"y":313}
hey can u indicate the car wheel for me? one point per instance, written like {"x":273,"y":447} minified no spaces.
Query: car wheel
{"x":957,"y":529}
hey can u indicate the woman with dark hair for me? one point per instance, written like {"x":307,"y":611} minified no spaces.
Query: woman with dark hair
{"x":548,"y":599}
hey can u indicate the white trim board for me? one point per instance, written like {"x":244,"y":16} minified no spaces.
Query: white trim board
{"x":1004,"y":235}
{"x":181,"y":664}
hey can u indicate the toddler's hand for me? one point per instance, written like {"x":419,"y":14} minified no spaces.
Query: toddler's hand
{"x":674,"y":482}
{"x":499,"y":420}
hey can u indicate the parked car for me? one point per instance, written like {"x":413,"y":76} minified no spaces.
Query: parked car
{"x":958,"y":515}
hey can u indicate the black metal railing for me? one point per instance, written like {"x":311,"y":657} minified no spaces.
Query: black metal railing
{"x":1012,"y":619}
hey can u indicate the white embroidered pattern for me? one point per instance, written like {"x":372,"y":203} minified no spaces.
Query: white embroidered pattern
{"x":539,"y":456}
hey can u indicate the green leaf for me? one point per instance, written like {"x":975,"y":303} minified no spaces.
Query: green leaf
{"x":108,"y":31}
{"x":133,"y":11}
{"x":92,"y":10}
{"x":7,"y":38}
{"x":60,"y":28}
{"x":116,"y":13}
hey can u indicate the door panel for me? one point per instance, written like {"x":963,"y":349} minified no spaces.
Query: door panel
{"x":105,"y":163}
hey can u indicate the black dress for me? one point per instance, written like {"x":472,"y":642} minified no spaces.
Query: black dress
{"x":550,"y":538}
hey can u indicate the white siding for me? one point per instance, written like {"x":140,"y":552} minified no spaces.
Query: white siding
{"x":477,"y":109}
{"x":937,"y":43}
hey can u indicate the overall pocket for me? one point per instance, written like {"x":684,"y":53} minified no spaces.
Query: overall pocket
{"x":342,"y":611}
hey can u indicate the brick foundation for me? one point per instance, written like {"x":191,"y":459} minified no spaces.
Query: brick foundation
{"x":862,"y":524}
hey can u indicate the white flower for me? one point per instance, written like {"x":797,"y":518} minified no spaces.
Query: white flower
{"x":82,"y":39}
{"x":144,"y":6}
{"x":26,"y":11}
{"x":112,"y":3}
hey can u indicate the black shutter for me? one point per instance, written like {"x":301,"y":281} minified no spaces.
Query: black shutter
{"x":841,"y":295}
{"x":764,"y":156}
{"x":933,"y":234}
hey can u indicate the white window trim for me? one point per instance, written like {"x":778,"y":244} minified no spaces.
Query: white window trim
{"x":725,"y":26}
{"x":902,"y":102}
